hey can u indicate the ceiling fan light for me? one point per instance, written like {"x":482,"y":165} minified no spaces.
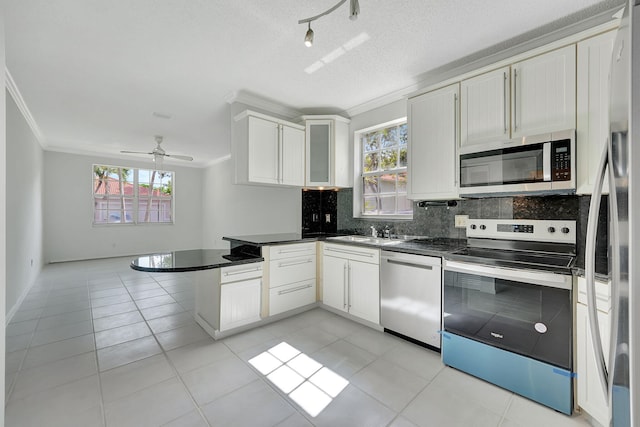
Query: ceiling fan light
{"x":308,"y":38}
{"x":354,"y":9}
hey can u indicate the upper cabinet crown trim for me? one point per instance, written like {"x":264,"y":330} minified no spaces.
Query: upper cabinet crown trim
{"x":251,"y":113}
{"x":326,"y":117}
{"x":474,"y":68}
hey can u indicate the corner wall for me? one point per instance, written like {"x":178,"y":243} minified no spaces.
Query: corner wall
{"x":68,"y":230}
{"x":25,"y":184}
{"x":236,"y":210}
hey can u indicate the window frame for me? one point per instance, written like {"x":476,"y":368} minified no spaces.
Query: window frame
{"x":134,"y":199}
{"x":359,"y":174}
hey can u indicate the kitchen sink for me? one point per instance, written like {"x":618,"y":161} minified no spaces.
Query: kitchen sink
{"x":367,"y":240}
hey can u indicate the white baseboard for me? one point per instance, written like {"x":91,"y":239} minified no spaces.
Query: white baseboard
{"x":23,"y":295}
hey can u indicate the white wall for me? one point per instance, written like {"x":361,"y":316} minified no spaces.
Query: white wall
{"x":24,"y":201}
{"x":235,"y":210}
{"x":68,"y":230}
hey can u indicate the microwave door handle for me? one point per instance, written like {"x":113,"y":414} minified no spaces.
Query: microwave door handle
{"x":546,"y":161}
{"x":590,"y":253}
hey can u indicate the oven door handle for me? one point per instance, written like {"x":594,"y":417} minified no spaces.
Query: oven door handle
{"x":552,"y":280}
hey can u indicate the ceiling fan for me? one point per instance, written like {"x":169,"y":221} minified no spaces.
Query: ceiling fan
{"x":158,"y":153}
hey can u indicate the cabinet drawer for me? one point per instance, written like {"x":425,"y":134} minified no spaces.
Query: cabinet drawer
{"x":290,"y":270}
{"x":294,"y":250}
{"x":352,"y":252}
{"x":240,"y":272}
{"x":294,"y":295}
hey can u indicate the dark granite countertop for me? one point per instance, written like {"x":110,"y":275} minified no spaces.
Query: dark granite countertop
{"x":419,"y":246}
{"x":191,"y":260}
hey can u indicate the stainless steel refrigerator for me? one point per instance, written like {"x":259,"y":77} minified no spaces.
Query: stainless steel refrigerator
{"x":621,"y":162}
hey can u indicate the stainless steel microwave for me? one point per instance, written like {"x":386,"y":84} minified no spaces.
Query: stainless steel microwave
{"x":540,"y":164}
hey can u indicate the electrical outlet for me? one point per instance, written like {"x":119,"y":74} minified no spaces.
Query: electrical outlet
{"x":461,"y":221}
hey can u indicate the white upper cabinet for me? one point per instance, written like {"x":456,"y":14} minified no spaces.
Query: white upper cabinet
{"x":263,"y":150}
{"x":484,"y":108}
{"x":433,"y":139}
{"x":292,"y":156}
{"x":543,"y":93}
{"x":327,"y":147}
{"x":594,"y":63}
{"x":268,"y":151}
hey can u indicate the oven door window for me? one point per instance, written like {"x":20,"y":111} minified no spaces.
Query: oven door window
{"x":531,"y":320}
{"x":516,"y":165}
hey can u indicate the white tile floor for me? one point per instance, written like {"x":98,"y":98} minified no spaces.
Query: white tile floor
{"x":98,"y":344}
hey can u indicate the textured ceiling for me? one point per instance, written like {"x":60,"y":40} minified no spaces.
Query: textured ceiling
{"x":94,"y":72}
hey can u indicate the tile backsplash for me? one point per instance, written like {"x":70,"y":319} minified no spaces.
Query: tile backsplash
{"x":438,"y":221}
{"x":319,"y":211}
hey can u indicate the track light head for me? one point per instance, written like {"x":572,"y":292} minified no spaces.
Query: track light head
{"x":354,"y":9}
{"x":308,"y":38}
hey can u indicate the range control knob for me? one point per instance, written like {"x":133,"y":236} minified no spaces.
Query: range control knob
{"x":483,"y":227}
{"x":472,"y":226}
{"x":551,"y":229}
{"x":565,"y":230}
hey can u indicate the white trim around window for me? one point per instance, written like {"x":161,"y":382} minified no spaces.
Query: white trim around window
{"x":387,"y":180}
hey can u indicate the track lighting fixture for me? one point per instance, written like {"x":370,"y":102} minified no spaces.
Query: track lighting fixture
{"x":308,"y":38}
{"x":354,"y":11}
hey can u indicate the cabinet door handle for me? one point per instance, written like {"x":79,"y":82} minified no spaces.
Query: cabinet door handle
{"x":505,"y":102}
{"x":233,"y":273}
{"x":344,"y":286}
{"x":299,"y":288}
{"x":515,"y":100}
{"x":280,"y":150}
{"x":290,"y":264}
{"x":349,"y":289}
{"x":293,"y":251}
{"x":455,"y":138}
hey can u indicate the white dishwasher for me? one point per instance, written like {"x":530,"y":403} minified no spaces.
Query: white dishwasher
{"x":411,"y":296}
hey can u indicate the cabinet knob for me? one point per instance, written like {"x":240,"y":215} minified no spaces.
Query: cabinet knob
{"x":483,"y":227}
{"x":565,"y":230}
{"x":551,"y":229}
{"x":472,"y":226}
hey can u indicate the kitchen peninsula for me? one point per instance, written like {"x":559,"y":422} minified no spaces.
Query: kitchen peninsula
{"x":228,"y":285}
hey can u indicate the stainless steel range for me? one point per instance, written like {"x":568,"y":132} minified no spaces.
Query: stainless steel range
{"x":507,"y":315}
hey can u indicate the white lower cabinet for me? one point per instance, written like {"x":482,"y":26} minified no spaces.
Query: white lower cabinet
{"x":292,"y":276}
{"x":288,"y":297}
{"x":590,"y":395}
{"x":228,"y":297}
{"x":239,"y":303}
{"x":351,"y":280}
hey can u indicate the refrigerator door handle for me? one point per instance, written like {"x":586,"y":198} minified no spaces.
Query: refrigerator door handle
{"x":590,"y":253}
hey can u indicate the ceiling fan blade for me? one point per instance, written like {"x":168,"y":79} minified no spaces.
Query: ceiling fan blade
{"x":134,"y":152}
{"x":179,"y":157}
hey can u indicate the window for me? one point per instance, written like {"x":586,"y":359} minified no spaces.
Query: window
{"x":381,"y":187}
{"x":131,"y":196}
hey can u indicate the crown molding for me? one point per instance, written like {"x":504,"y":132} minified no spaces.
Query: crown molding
{"x":13,"y":90}
{"x":256,"y":101}
{"x":504,"y":53}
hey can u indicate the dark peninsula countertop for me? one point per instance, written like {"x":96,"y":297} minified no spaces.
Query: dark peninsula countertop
{"x":278,"y":238}
{"x":191,"y":260}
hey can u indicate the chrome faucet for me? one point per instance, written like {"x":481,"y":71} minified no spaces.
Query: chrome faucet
{"x":386,"y":232}
{"x":374,"y":232}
